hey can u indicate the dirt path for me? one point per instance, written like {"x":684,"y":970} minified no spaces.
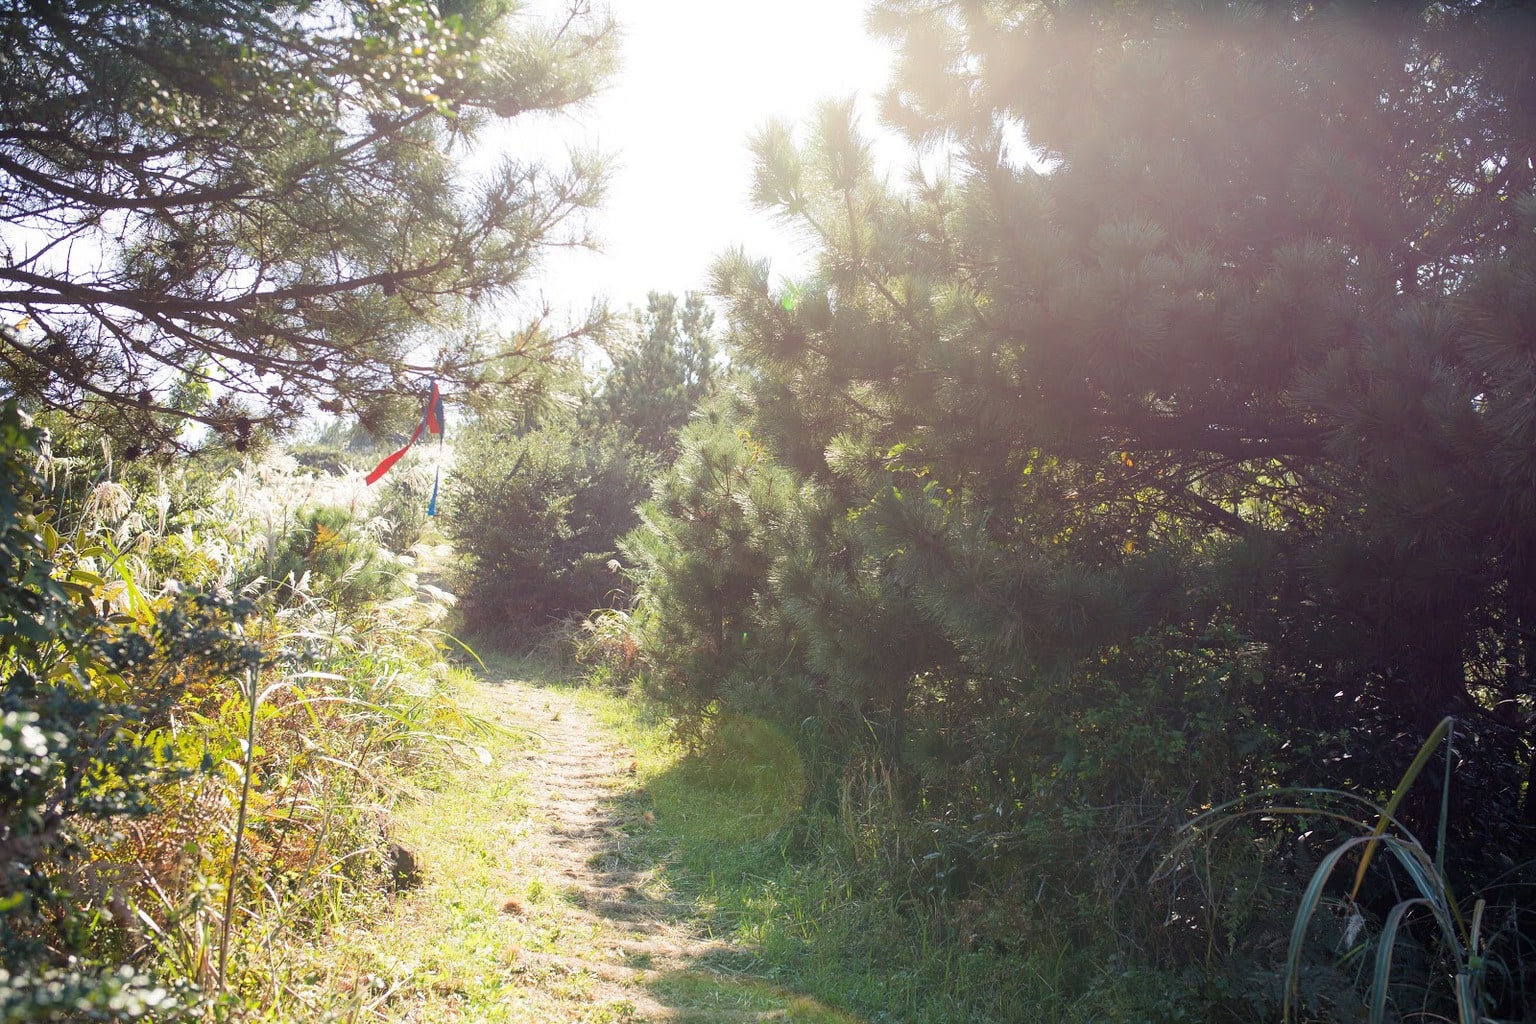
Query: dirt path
{"x":654,"y":955}
{"x":545,"y":894}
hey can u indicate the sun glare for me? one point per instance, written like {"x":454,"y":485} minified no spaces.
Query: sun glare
{"x":697,"y":78}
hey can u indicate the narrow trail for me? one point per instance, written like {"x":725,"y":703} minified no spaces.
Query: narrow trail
{"x":580,"y":830}
{"x":545,"y":893}
{"x":543,"y":889}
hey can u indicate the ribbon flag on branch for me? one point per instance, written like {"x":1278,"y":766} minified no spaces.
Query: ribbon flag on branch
{"x":431,"y":423}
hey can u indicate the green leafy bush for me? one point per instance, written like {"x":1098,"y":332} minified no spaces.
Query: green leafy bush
{"x":327,"y":550}
{"x":132,"y":724}
{"x":702,"y":552}
{"x":1017,"y":788}
{"x":85,"y":690}
{"x":400,"y":506}
{"x":652,"y":387}
{"x":537,"y":517}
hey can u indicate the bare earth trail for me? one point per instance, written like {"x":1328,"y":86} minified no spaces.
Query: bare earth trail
{"x":544,"y":895}
{"x":577,"y":773}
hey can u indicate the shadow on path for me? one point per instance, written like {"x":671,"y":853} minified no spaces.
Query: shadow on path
{"x":654,"y":951}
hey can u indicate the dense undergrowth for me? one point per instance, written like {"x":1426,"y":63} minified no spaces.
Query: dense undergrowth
{"x":1103,"y":917}
{"x":828,"y":901}
{"x":1121,"y":468}
{"x":1145,"y":862}
{"x":213,"y":674}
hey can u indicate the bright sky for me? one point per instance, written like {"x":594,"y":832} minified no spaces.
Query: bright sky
{"x":697,"y":78}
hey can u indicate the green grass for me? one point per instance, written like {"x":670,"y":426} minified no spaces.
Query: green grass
{"x":804,"y":925}
{"x":451,"y":949}
{"x":708,"y":997}
{"x":497,"y":934}
{"x":730,"y":827}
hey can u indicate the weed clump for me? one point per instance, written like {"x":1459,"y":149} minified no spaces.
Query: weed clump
{"x":209,"y":689}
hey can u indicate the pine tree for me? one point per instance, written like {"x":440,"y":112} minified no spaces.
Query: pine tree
{"x":1188,"y":410}
{"x":1246,"y":346}
{"x":538,"y":515}
{"x":1226,"y":315}
{"x":266,"y":197}
{"x":654,"y":385}
{"x":702,"y":551}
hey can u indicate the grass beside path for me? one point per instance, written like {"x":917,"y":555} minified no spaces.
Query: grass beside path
{"x":548,"y":890}
{"x":810,"y":894}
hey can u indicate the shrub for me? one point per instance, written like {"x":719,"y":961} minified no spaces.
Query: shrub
{"x":131,"y":725}
{"x":611,"y":648}
{"x":326,"y":550}
{"x":400,"y":506}
{"x":537,"y":517}
{"x":703,"y":552}
{"x":82,"y":695}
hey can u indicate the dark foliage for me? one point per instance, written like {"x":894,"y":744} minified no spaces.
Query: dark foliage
{"x":537,"y":516}
{"x":654,"y":384}
{"x":1192,"y":410}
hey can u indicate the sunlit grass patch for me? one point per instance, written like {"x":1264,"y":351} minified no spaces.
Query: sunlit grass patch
{"x":451,"y":949}
{"x":698,"y":990}
{"x":702,"y":996}
{"x":736,"y":843}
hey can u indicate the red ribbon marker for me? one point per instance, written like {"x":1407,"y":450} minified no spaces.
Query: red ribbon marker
{"x":431,"y":423}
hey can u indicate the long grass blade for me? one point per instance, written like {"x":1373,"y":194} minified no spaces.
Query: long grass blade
{"x":1389,"y":812}
{"x":1445,"y":804}
{"x":1467,"y":1011}
{"x":459,"y":643}
{"x":251,"y":683}
{"x":1381,"y":977}
{"x":1477,"y":926}
{"x":1205,"y":826}
{"x":1304,"y":914}
{"x":1431,"y":885}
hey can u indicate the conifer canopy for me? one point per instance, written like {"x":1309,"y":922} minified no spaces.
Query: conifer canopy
{"x":1211,"y":341}
{"x":268,"y":197}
